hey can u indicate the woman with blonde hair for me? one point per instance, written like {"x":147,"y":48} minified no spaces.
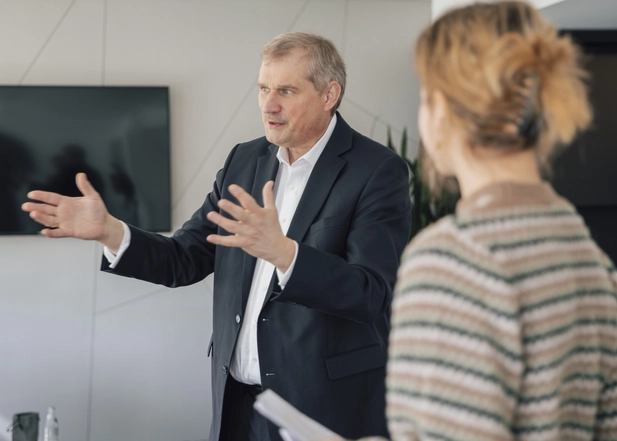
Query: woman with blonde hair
{"x":504,"y":323}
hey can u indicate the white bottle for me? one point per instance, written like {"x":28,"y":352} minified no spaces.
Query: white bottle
{"x":51,"y":426}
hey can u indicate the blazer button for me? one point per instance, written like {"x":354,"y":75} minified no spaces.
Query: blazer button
{"x":224,"y":370}
{"x":237,"y":318}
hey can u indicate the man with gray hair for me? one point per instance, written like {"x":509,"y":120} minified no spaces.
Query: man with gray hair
{"x":303,"y":230}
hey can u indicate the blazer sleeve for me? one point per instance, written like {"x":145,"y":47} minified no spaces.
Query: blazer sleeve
{"x":182,"y":259}
{"x":359,"y":287}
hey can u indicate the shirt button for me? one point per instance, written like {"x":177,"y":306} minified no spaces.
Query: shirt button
{"x":254,"y":360}
{"x":292,"y":187}
{"x":224,"y":370}
{"x":237,"y":318}
{"x":264,"y":287}
{"x":283,"y":220}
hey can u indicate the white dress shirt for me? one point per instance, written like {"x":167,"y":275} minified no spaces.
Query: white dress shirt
{"x":290,"y":182}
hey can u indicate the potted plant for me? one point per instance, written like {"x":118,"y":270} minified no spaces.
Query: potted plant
{"x":427,"y":206}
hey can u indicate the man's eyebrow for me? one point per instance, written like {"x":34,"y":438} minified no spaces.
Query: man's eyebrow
{"x":281,"y":87}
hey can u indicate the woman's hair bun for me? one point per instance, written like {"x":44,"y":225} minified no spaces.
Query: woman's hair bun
{"x":511,"y":80}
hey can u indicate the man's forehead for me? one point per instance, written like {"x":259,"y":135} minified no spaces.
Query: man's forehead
{"x":282,"y":73}
{"x":295,"y":55}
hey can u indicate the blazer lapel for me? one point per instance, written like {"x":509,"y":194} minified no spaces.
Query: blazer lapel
{"x":318,"y":187}
{"x":321,"y":181}
{"x":267,"y":168}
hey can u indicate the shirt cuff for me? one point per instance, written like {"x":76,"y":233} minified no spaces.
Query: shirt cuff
{"x":284,"y":277}
{"x":112,"y":258}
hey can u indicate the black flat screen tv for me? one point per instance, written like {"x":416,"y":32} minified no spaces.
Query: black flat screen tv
{"x":118,"y":136}
{"x":586,"y":172}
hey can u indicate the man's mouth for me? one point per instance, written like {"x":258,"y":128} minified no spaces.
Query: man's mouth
{"x":275,"y":124}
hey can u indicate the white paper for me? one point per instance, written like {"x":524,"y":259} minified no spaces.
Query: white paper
{"x":296,"y":425}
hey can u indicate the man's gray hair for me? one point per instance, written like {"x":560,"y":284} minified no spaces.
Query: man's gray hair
{"x":325,"y":64}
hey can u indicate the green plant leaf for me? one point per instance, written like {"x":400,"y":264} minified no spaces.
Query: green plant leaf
{"x":426,"y":208}
{"x":404,"y":144}
{"x":390,"y":145}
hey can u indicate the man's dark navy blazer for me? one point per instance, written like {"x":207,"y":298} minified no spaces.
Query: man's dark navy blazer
{"x":322,"y":340}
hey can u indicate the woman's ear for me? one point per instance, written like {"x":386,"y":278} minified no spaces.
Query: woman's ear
{"x":439,"y":109}
{"x":437,"y":131}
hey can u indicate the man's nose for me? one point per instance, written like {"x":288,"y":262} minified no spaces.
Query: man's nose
{"x":270,"y":104}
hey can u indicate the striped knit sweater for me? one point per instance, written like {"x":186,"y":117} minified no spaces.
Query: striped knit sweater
{"x":504,"y":325}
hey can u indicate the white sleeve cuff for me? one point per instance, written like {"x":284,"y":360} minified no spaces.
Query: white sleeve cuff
{"x":284,"y":278}
{"x":126,"y":241}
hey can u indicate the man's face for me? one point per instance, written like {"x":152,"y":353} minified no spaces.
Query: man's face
{"x":294,"y":113}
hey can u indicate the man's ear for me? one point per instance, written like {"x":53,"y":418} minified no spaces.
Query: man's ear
{"x":331,"y":96}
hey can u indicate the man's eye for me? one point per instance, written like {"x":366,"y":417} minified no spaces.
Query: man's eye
{"x":263,"y":89}
{"x":286,"y":92}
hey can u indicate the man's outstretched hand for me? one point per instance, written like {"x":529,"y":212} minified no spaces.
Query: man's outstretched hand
{"x":253,"y":228}
{"x":84,"y":217}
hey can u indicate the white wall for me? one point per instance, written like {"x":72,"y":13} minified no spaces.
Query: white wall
{"x":583,"y":14}
{"x":123,"y":359}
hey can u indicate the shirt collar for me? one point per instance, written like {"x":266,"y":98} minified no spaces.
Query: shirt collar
{"x":315,"y":152}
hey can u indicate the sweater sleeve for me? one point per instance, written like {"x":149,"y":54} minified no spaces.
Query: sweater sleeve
{"x":455,"y":356}
{"x":606,"y":419}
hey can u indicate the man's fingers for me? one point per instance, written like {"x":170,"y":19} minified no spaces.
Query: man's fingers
{"x":44,"y":219}
{"x":84,"y":185}
{"x":268,"y":195}
{"x":227,"y":241}
{"x":54,"y":234}
{"x":45,"y":196}
{"x":229,"y":225}
{"x":42,"y":208}
{"x":236,"y":211}
{"x":246,"y":200}
{"x":55,"y":199}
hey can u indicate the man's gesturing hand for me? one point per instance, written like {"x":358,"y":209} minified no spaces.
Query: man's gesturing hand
{"x":83,"y":217}
{"x":255,"y":229}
